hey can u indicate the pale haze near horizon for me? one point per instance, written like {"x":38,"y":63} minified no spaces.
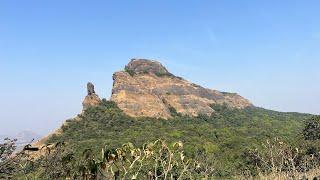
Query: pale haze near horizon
{"x":266,"y":51}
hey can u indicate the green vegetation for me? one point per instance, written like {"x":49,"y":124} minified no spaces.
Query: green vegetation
{"x":131,"y":72}
{"x":155,"y":160}
{"x":223,"y":138}
{"x":252,"y":143}
{"x":147,"y":70}
{"x":6,"y":163}
{"x":312,"y":129}
{"x":161,"y":74}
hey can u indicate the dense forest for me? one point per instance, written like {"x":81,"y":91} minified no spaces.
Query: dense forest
{"x":230,"y":143}
{"x":224,"y":136}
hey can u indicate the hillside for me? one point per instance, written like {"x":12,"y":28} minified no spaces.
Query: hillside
{"x":223,"y":137}
{"x":149,"y":103}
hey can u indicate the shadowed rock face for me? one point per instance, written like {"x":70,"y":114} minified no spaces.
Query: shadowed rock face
{"x":146,"y":88}
{"x":90,"y":88}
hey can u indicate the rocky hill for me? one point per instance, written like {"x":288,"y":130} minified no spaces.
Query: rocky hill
{"x":145,"y":94}
{"x":147,"y":88}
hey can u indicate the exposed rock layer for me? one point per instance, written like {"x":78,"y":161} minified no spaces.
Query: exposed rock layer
{"x":146,"y":88}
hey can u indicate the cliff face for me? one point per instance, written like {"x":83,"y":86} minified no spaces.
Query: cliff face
{"x":146,"y":88}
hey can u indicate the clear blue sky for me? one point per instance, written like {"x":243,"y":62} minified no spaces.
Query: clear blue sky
{"x":266,"y":50}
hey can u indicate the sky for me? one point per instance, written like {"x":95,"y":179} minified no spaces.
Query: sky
{"x":265,"y":50}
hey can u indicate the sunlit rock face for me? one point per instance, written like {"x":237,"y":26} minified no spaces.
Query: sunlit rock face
{"x":147,"y":88}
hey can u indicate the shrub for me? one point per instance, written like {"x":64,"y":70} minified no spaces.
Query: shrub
{"x":278,"y":160}
{"x":131,"y":72}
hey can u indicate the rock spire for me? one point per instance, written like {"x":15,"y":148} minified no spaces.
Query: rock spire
{"x":92,"y":99}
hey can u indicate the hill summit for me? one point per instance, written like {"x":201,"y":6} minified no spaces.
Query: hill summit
{"x":146,"y":88}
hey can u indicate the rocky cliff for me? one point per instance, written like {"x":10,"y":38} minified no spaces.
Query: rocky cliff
{"x":147,"y":88}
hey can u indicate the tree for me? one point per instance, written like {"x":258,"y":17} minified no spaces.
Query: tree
{"x":7,"y":164}
{"x":312,"y":129}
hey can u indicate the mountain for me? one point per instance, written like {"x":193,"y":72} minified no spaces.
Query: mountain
{"x":150,"y":103}
{"x":147,"y":88}
{"x":23,"y":138}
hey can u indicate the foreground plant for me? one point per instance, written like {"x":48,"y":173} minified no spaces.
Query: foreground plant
{"x":156,"y":160}
{"x":278,"y":160}
{"x":153,"y":161}
{"x":7,"y":164}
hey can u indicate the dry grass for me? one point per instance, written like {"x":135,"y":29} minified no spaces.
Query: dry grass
{"x":311,"y":174}
{"x":277,"y":160}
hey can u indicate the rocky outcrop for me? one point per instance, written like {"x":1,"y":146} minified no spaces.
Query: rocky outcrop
{"x":143,"y":66}
{"x":92,"y":99}
{"x":147,"y":88}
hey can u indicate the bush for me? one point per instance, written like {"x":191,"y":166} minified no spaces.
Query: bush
{"x":129,"y":71}
{"x":278,"y":160}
